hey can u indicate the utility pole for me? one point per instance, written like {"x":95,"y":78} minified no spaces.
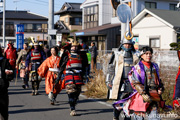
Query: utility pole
{"x":50,"y":22}
{"x":4,"y":26}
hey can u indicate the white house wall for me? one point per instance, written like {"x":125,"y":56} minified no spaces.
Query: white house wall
{"x":105,"y":12}
{"x":150,"y":27}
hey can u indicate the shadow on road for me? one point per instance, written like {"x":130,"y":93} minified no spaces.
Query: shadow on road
{"x":94,"y":111}
{"x":35,"y":110}
{"x":17,"y":106}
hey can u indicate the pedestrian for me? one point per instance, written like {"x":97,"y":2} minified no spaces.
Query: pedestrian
{"x":176,"y":94}
{"x":6,"y":74}
{"x":49,"y":69}
{"x":85,"y":49}
{"x":11,"y":54}
{"x":20,"y":63}
{"x":73,"y":63}
{"x":47,"y":51}
{"x":119,"y":86}
{"x":93,"y":57}
{"x":34,"y":59}
{"x":147,"y":86}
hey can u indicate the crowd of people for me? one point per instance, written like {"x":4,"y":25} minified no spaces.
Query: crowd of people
{"x":133,"y":80}
{"x":65,"y":66}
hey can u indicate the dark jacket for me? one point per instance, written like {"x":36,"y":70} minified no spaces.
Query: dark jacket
{"x":93,"y":51}
{"x":47,"y":53}
{"x":4,"y":80}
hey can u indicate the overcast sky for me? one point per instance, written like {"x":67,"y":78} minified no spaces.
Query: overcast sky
{"x":37,"y":6}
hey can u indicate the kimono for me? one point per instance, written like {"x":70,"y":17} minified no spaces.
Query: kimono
{"x":46,"y":70}
{"x":135,"y":100}
{"x":21,"y":62}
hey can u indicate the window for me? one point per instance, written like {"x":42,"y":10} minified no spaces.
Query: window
{"x":90,"y":17}
{"x":28,"y":27}
{"x":66,"y":20}
{"x":10,"y":29}
{"x":172,"y":7}
{"x":76,"y":21}
{"x":154,"y":42}
{"x":151,"y":5}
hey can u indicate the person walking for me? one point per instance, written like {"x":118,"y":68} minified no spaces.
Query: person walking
{"x":49,"y":69}
{"x":6,"y":74}
{"x":147,"y":88}
{"x":20,"y":63}
{"x":36,"y":56}
{"x":119,"y":87}
{"x":11,"y":54}
{"x":73,"y":63}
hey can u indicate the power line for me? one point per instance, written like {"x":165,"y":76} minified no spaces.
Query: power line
{"x":44,"y":3}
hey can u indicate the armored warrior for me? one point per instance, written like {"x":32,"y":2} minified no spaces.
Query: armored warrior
{"x":11,"y":54}
{"x":20,"y":63}
{"x":117,"y":78}
{"x":35,"y":57}
{"x":72,"y":62}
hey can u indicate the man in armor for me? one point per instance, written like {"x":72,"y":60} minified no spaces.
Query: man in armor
{"x":35,"y":57}
{"x":73,"y":63}
{"x":117,"y":79}
{"x":20,"y":63}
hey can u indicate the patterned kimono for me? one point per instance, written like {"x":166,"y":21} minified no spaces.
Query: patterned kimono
{"x":48,"y":69}
{"x":135,"y":101}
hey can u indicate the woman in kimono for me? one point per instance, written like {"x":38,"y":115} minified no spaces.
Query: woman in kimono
{"x":49,"y":69}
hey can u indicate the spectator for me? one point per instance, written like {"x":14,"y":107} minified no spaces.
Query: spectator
{"x":6,"y":74}
{"x":93,"y":57}
{"x":47,"y":51}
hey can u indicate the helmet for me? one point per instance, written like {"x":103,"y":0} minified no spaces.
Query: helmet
{"x":36,"y":43}
{"x":128,"y":38}
{"x":41,"y":44}
{"x":74,"y":42}
{"x":31,"y":44}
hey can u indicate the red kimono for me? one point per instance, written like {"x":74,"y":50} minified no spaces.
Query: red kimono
{"x":45,"y":70}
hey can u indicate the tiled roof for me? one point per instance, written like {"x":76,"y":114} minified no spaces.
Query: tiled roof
{"x":22,"y":15}
{"x":172,"y":17}
{"x":61,"y":27}
{"x":70,"y":7}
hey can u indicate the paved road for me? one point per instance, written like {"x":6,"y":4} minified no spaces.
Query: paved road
{"x":23,"y":106}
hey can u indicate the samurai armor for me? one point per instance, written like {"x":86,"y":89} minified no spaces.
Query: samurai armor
{"x":154,"y":95}
{"x":70,"y":88}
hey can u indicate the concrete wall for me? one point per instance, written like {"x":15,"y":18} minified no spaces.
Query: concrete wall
{"x":167,"y":61}
{"x":150,"y":27}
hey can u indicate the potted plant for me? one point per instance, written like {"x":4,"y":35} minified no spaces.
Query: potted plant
{"x":176,"y":46}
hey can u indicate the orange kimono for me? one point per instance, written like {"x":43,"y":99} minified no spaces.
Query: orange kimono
{"x":45,"y":70}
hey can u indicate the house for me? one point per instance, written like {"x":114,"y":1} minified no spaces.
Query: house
{"x":157,"y":28}
{"x":70,"y":19}
{"x":98,"y":14}
{"x":138,"y":5}
{"x":34,"y":26}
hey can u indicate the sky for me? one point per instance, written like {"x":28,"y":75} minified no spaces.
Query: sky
{"x":40,"y":7}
